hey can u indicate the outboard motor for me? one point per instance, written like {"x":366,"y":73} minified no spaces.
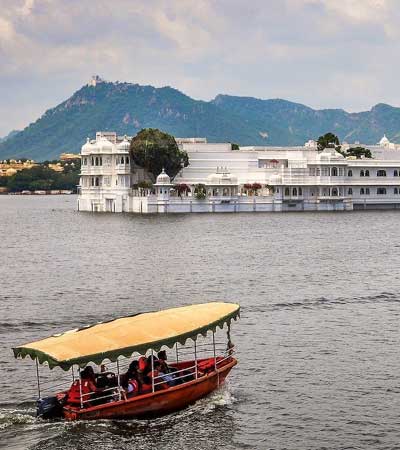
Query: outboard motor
{"x":49,"y":408}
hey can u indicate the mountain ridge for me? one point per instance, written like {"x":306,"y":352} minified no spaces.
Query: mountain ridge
{"x":128,"y":107}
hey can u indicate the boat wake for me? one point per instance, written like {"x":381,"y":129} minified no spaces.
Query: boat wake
{"x":10,"y":417}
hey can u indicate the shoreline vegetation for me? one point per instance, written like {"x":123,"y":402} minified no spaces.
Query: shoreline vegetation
{"x":42,"y":179}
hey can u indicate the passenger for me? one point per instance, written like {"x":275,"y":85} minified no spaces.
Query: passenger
{"x":142,"y":374}
{"x":150,"y":365}
{"x":162,"y":357}
{"x":131,"y":373}
{"x":106,"y":379}
{"x":86,"y":384}
{"x":132,"y":387}
{"x":157,"y":377}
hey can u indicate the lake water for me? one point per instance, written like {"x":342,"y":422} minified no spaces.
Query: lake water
{"x":318,"y":341}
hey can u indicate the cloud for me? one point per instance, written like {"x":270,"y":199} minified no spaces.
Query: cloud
{"x":325,"y":53}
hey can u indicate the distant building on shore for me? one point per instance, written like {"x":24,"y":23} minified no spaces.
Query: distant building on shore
{"x":69,"y":156}
{"x":10,"y":167}
{"x":251,"y":179}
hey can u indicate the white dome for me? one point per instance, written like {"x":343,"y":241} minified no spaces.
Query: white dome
{"x":124,"y":145}
{"x":104,"y":145}
{"x":163,"y":178}
{"x":328,"y":154}
{"x":384,"y":141}
{"x":88,"y":147}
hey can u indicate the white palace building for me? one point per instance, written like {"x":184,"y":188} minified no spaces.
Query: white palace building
{"x":250,"y":179}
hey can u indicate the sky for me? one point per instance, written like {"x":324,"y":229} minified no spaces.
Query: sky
{"x":323,"y":53}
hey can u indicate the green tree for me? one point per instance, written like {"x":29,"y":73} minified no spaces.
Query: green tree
{"x":154,"y":150}
{"x":328,"y":140}
{"x":359,"y":152}
{"x":234,"y":146}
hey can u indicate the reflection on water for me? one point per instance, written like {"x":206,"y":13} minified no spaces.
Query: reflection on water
{"x":317,"y":341}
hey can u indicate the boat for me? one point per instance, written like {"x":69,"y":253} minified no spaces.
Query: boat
{"x":179,"y":331}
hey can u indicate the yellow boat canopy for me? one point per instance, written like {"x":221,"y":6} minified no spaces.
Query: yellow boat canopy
{"x":124,"y":336}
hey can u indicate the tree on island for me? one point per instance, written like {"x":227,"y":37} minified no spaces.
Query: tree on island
{"x":328,"y":140}
{"x":358,"y":152}
{"x":154,"y":150}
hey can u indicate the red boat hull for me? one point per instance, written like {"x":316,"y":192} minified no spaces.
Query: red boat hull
{"x":158,"y":403}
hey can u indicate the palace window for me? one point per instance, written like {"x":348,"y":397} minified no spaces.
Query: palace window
{"x":341,"y":171}
{"x":381,"y":173}
{"x":367,"y":173}
{"x":395,"y":173}
{"x":300,"y":191}
{"x":122,"y":160}
{"x":381,"y":191}
{"x":396,"y":191}
{"x":350,"y":191}
{"x":294,"y":192}
{"x":127,"y":160}
{"x":361,"y":173}
{"x":334,"y":172}
{"x":350,"y":173}
{"x":287,"y":191}
{"x":362,"y":191}
{"x":335,"y":192}
{"x":84,"y":161}
{"x":92,"y":161}
{"x":366,"y":191}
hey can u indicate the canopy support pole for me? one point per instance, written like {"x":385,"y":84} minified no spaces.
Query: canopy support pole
{"x":37,"y":377}
{"x":152,"y":370}
{"x":80,"y":388}
{"x":73,"y":375}
{"x":195,"y":360}
{"x":215,"y":357}
{"x":177,"y":355}
{"x":119,"y":381}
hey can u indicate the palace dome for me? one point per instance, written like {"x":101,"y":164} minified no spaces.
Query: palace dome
{"x":104,"y":145}
{"x":88,"y":147}
{"x":163,"y":178}
{"x":124,"y":145}
{"x":328,"y":154}
{"x":10,"y":172}
{"x":384,"y":141}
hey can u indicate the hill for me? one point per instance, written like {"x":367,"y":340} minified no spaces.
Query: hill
{"x":9,"y":135}
{"x":127,"y":108}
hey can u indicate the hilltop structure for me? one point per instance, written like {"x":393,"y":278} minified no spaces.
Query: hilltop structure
{"x":219,"y":179}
